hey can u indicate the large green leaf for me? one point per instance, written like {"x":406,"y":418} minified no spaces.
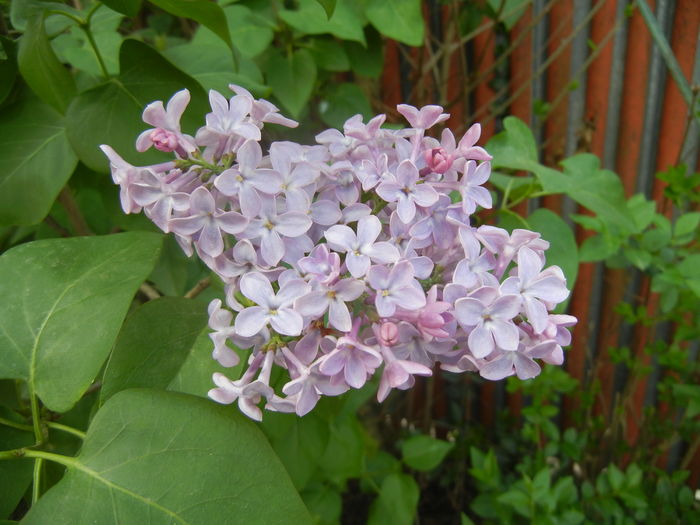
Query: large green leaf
{"x":401,"y":20}
{"x":36,"y":160}
{"x":153,"y":344}
{"x":111,"y":112}
{"x":40,"y":67}
{"x":165,"y":458}
{"x":367,"y":60}
{"x":346,"y":23}
{"x":292,"y":80}
{"x":600,"y":191}
{"x":207,"y":13}
{"x":563,"y":250}
{"x":65,"y":300}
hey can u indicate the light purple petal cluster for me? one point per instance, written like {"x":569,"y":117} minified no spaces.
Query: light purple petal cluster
{"x":346,"y":258}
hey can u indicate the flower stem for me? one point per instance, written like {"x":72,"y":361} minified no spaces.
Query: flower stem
{"x":13,"y":424}
{"x":66,"y":428}
{"x":36,"y":480}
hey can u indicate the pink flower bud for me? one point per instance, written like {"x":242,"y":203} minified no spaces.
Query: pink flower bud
{"x":389,"y":334}
{"x":438,"y":160}
{"x":164,"y":140}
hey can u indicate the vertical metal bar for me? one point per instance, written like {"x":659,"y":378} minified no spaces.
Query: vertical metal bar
{"x":655,"y":94}
{"x":612,"y":124}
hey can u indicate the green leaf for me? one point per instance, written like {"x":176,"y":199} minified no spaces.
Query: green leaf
{"x":401,"y":20}
{"x":686,"y":224}
{"x":70,"y":297}
{"x":207,"y":13}
{"x":397,"y":501}
{"x":367,"y":60}
{"x":328,"y":6}
{"x":642,"y":211}
{"x":563,"y":250}
{"x":212,"y":67}
{"x":41,"y":69}
{"x":111,"y":112}
{"x":251,"y":33}
{"x":297,"y":442}
{"x":153,"y":344}
{"x":598,"y":248}
{"x":126,"y":7}
{"x":600,"y":191}
{"x":423,"y":452}
{"x":292,"y":80}
{"x":36,"y":161}
{"x":329,"y":54}
{"x":324,"y":503}
{"x":8,"y":67}
{"x":161,"y":457}
{"x":311,"y":19}
{"x":342,"y":102}
{"x":514,"y":147}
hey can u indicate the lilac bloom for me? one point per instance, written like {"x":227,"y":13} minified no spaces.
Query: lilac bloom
{"x":361,"y":248}
{"x":372,"y":173}
{"x":248,"y":393}
{"x":126,"y":176}
{"x":506,"y":246}
{"x":509,"y":363}
{"x":535,"y":286}
{"x":271,"y":227}
{"x":473,"y":193}
{"x":407,"y":192}
{"x":208,"y":221}
{"x":220,"y":321}
{"x":355,"y":128}
{"x":395,"y":288}
{"x":474,"y":270}
{"x":332,"y":298}
{"x":414,"y":347}
{"x":165,"y":134}
{"x":434,"y":225}
{"x":353,"y":359}
{"x":321,"y":264}
{"x":422,"y":118}
{"x":227,"y":123}
{"x":262,"y":110}
{"x":398,"y":373}
{"x":489,"y":316}
{"x":466,"y":147}
{"x":275,"y":309}
{"x":342,"y":174}
{"x":245,"y":179}
{"x":241,"y":259}
{"x":432,"y":319}
{"x":160,"y":198}
{"x":355,"y":212}
{"x":337,"y":143}
{"x":295,"y":176}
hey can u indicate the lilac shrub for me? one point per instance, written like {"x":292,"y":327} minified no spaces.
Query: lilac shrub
{"x":346,"y":258}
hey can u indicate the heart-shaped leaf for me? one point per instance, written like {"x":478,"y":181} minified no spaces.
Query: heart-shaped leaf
{"x":65,"y":300}
{"x":401,"y":20}
{"x":160,"y":457}
{"x":292,"y":80}
{"x":36,"y":160}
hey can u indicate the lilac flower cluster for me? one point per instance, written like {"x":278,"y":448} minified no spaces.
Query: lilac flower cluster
{"x":350,"y":257}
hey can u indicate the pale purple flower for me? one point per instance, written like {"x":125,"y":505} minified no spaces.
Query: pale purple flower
{"x":422,"y":118}
{"x":361,"y":248}
{"x":262,"y":110}
{"x":220,"y":321}
{"x":353,"y":359}
{"x":473,"y":193}
{"x":395,"y":288}
{"x":331,"y":298}
{"x":407,"y":192}
{"x":295,"y":176}
{"x":488,"y":315}
{"x":270,"y":228}
{"x":158,"y":197}
{"x":208,"y":221}
{"x":321,"y":264}
{"x":273,"y":309}
{"x":398,"y":373}
{"x":466,"y":147}
{"x":227,"y":123}
{"x":245,"y":179}
{"x":165,"y":134}
{"x":535,"y":286}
